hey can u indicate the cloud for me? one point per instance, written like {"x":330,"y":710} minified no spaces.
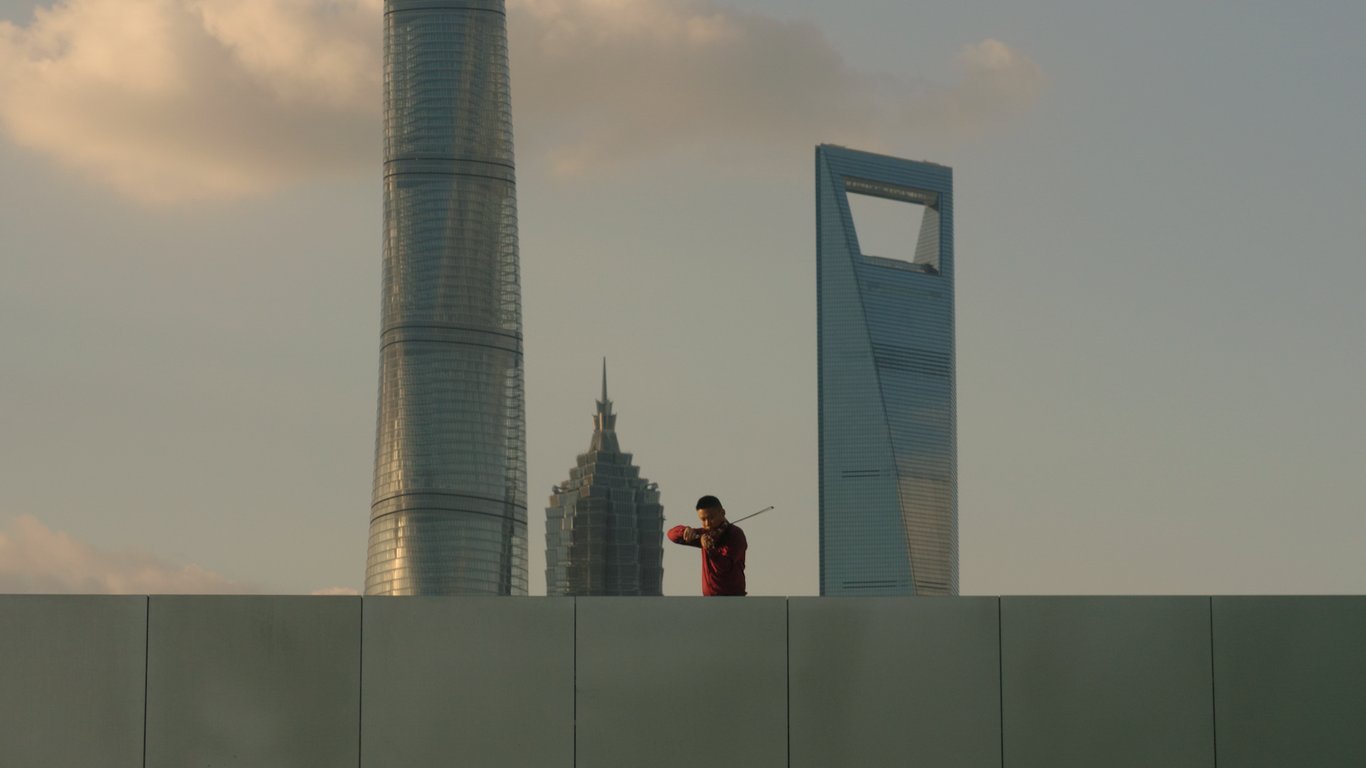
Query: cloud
{"x":182,"y":100}
{"x":602,"y":82}
{"x":37,"y":559}
{"x":997,"y":83}
{"x":335,"y":591}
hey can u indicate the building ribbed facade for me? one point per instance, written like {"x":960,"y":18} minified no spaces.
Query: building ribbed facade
{"x":448,"y":514}
{"x":604,"y":531}
{"x":888,"y":424}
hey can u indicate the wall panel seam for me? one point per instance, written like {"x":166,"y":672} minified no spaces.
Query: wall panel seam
{"x":1001,"y":681}
{"x":1213,"y":695}
{"x":574,"y":714}
{"x":360,"y":689}
{"x":146,"y":667}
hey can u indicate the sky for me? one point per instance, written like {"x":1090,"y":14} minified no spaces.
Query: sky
{"x":1159,"y":252}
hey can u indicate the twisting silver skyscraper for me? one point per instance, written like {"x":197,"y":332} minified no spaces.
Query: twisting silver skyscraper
{"x":448,"y":515}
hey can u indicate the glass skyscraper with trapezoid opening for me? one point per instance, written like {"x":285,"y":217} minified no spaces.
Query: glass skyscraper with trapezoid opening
{"x":448,"y":514}
{"x":887,"y":414}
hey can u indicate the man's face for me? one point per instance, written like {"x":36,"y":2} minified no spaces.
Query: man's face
{"x":712,"y":517}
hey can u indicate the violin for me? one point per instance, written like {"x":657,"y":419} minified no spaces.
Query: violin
{"x":710,"y":539}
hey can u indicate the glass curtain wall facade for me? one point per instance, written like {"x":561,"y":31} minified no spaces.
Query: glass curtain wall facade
{"x":604,"y":532}
{"x":448,"y":514}
{"x":887,"y":413}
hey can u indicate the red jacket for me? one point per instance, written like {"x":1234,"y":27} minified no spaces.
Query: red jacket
{"x":723,"y":566}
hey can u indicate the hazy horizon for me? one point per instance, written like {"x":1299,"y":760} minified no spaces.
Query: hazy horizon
{"x":1159,"y":248}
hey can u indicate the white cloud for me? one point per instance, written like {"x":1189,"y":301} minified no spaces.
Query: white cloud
{"x":175,"y":100}
{"x":310,"y":52}
{"x":997,"y":83}
{"x":335,"y":591}
{"x":37,"y":559}
{"x":607,"y":81}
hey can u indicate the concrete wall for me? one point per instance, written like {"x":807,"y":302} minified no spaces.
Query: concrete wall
{"x":259,"y":682}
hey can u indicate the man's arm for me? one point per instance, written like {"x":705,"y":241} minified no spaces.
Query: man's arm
{"x":682,"y":534}
{"x":727,"y":556}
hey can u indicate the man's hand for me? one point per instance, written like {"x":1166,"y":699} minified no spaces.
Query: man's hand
{"x":689,"y":535}
{"x":709,"y":540}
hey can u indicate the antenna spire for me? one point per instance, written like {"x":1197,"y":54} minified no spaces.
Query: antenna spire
{"x":604,"y":421}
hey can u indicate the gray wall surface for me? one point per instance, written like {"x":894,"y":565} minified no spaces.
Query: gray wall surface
{"x":386,"y":682}
{"x":73,"y":673}
{"x":894,"y":681}
{"x":686,"y":681}
{"x":1121,"y":682}
{"x":1291,"y":680}
{"x":256,"y":682}
{"x":486,"y":678}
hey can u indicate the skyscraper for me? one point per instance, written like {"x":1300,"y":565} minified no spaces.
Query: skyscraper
{"x":448,"y":515}
{"x":604,"y":532}
{"x":888,"y":434}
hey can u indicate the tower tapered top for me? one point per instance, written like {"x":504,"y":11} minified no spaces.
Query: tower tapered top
{"x":604,"y":421}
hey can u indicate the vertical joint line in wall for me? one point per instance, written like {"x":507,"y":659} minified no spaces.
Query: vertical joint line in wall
{"x":787,"y":636}
{"x":574,"y":713}
{"x":146,"y":669}
{"x":1213,"y":697}
{"x":360,"y":688}
{"x":1001,"y":679}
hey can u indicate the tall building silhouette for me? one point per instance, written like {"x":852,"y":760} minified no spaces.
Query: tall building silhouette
{"x":604,"y":532}
{"x":448,"y":515}
{"x":888,"y":434}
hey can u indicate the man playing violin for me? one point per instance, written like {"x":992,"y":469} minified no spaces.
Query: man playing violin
{"x":723,"y":548}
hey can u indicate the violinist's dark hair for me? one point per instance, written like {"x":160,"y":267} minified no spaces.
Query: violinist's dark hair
{"x":708,"y":502}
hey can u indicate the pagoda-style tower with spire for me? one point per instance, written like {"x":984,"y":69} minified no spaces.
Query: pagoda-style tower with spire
{"x":604,"y":532}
